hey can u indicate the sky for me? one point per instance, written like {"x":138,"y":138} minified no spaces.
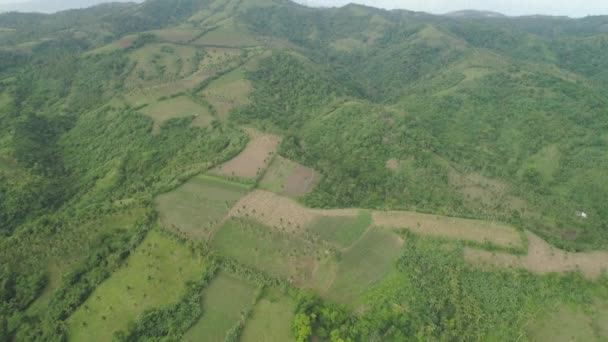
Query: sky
{"x":571,"y":8}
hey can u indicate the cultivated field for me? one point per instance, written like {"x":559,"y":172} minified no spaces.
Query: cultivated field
{"x":543,"y":258}
{"x":149,"y":279}
{"x":158,"y":63}
{"x":280,"y":254}
{"x":251,"y":162}
{"x":363,"y":265}
{"x":449,"y":227}
{"x":180,"y":34}
{"x":341,"y":231}
{"x":565,"y":324}
{"x":223,"y":301}
{"x":227,"y":35}
{"x":271,"y":319}
{"x":199,"y":205}
{"x":177,"y":107}
{"x":283,"y":213}
{"x":228,"y":92}
{"x":121,"y":44}
{"x":288,"y":178}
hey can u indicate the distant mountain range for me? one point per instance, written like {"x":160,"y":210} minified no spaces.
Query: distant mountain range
{"x":50,"y":6}
{"x":475,"y":14}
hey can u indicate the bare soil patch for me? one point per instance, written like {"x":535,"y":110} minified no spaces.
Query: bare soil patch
{"x":392,"y":164}
{"x":253,"y":159}
{"x":301,"y":181}
{"x":543,"y":258}
{"x":449,"y":227}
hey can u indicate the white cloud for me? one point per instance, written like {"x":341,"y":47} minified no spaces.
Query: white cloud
{"x":573,"y":8}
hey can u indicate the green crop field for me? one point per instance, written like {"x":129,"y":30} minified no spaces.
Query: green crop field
{"x":151,"y":278}
{"x":228,"y":92}
{"x":277,"y":253}
{"x":363,"y":265}
{"x":275,"y":177}
{"x":271,"y":319}
{"x":571,"y":324}
{"x":227,"y":35}
{"x":223,"y":303}
{"x":342,"y":231}
{"x":197,"y":206}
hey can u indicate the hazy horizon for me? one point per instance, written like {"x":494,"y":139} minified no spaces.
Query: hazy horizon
{"x":576,"y":8}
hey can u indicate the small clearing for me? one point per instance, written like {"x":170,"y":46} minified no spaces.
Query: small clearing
{"x":450,"y":227}
{"x":281,"y":212}
{"x":543,"y":258}
{"x":177,"y":34}
{"x":566,"y":324}
{"x":228,"y":92}
{"x":177,"y":107}
{"x":342,"y":231}
{"x":223,"y":301}
{"x":228,"y":35}
{"x":251,"y":162}
{"x":289,"y":178}
{"x":392,"y":164}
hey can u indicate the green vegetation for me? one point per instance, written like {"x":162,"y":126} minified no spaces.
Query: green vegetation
{"x":199,"y":205}
{"x":342,"y":231}
{"x":224,"y":300}
{"x":113,"y":118}
{"x":363,"y":265}
{"x":149,"y":279}
{"x":271,"y":319}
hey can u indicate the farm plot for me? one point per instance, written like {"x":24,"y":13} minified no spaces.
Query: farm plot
{"x":543,"y":258}
{"x":159,"y":63}
{"x":288,"y":178}
{"x":271,"y":319}
{"x":177,"y":107}
{"x":223,"y":302}
{"x":199,"y":205}
{"x":120,"y":44}
{"x":280,"y":254}
{"x":449,"y":227}
{"x":250,"y":163}
{"x":282,"y":213}
{"x":154,"y":275}
{"x":228,"y":92}
{"x":571,"y":324}
{"x":341,"y":231}
{"x":227,"y":35}
{"x":364,"y":265}
{"x":179,"y":34}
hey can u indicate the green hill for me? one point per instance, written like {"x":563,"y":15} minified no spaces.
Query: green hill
{"x":109,"y":116}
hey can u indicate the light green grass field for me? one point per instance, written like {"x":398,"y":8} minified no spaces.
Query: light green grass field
{"x":228,"y":92}
{"x":177,"y":107}
{"x":161,"y":62}
{"x":154,"y":275}
{"x":275,"y":177}
{"x":197,"y":206}
{"x":122,"y":43}
{"x":363,"y":265}
{"x":69,"y":255}
{"x":342,"y":231}
{"x":271,"y":319}
{"x":180,"y":34}
{"x":223,"y":302}
{"x":546,"y":162}
{"x":284,"y":255}
{"x":228,"y":35}
{"x":568,"y":324}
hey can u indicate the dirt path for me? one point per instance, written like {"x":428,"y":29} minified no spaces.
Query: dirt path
{"x":543,"y":258}
{"x":449,"y":227}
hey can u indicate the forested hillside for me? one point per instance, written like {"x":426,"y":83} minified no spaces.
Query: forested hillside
{"x":201,"y":170}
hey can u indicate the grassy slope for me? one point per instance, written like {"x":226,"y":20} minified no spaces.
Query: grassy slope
{"x":223,"y":302}
{"x":149,"y":279}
